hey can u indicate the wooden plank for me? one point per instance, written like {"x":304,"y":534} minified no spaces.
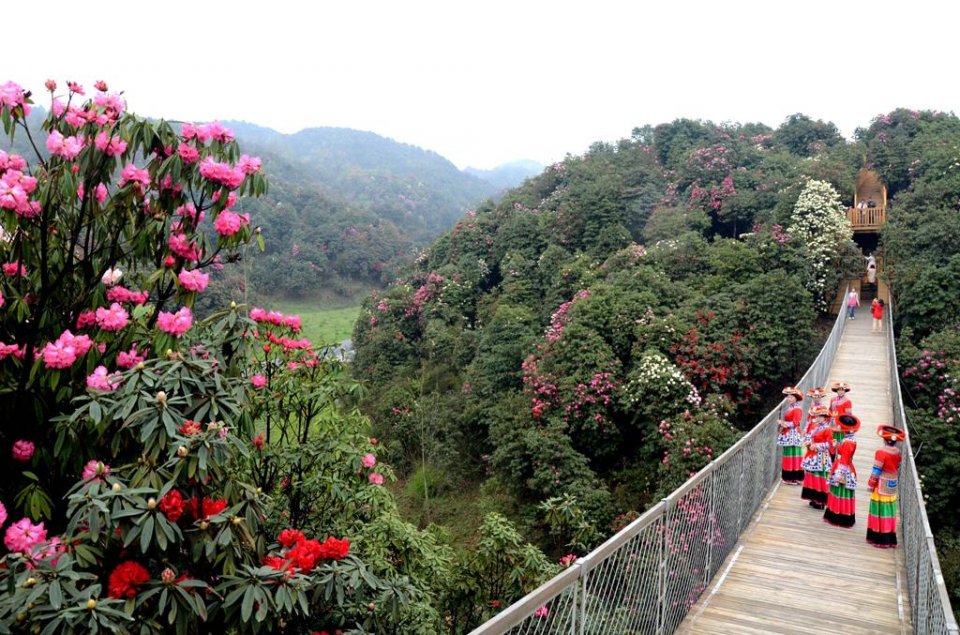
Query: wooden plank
{"x":796,"y":574}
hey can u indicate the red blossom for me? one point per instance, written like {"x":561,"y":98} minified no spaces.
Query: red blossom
{"x":125,"y":579}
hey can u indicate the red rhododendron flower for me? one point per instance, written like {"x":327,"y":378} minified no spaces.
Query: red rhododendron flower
{"x":335,"y":549}
{"x":290,"y":537}
{"x":190,"y":428}
{"x":172,"y":505}
{"x":125,"y":579}
{"x":209,"y":507}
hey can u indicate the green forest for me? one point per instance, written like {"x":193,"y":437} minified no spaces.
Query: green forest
{"x":554,"y":362}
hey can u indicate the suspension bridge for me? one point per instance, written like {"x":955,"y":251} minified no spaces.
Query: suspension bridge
{"x":734,"y":551}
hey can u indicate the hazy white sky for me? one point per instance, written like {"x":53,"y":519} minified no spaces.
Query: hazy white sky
{"x":487,"y":82}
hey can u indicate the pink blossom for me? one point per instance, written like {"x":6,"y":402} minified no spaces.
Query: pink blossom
{"x":14,"y":269}
{"x":12,"y":350}
{"x":129,"y":359}
{"x":100,"y":379}
{"x":249,"y":165}
{"x":100,"y":85}
{"x":86,"y":318}
{"x":50,"y":85}
{"x":293,"y":322}
{"x":368,"y":460}
{"x":188,"y":153}
{"x":74,"y":87}
{"x":95,"y":469}
{"x":67,"y":148}
{"x":121,"y":294}
{"x":258,"y":381}
{"x":23,"y":535}
{"x":112,"y":319}
{"x":541,"y":612}
{"x":111,"y":146}
{"x":58,"y":108}
{"x":135,"y":175}
{"x":100,"y":193}
{"x":181,"y":246}
{"x":229,"y":223}
{"x":222,"y":173}
{"x":217,"y":131}
{"x":12,"y":95}
{"x":65,"y":350}
{"x":23,"y":450}
{"x":375,"y":478}
{"x":194,"y":280}
{"x":175,"y":323}
{"x":189,"y":213}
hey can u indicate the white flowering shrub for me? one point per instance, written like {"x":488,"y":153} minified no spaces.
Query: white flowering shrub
{"x":820,"y":224}
{"x":656,"y":389}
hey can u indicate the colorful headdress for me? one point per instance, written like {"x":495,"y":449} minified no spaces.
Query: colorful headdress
{"x":837,"y":385}
{"x":817,"y":393}
{"x":791,"y":390}
{"x":891,"y":433}
{"x":848,"y":423}
{"x":820,"y":411}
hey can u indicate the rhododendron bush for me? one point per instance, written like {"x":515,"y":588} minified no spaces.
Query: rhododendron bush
{"x":167,"y":473}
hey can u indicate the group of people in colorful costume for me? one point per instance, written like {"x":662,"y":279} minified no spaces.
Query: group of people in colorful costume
{"x":820,"y":457}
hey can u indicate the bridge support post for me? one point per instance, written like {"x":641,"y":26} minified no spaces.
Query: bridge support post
{"x":662,"y":569}
{"x":712,"y":527}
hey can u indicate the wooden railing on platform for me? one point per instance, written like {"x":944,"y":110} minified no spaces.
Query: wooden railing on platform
{"x":868,"y":219}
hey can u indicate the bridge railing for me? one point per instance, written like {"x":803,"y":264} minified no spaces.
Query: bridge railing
{"x":929,"y":602}
{"x":647,"y":576}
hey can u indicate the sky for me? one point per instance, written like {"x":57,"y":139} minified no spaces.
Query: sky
{"x":483,"y":83}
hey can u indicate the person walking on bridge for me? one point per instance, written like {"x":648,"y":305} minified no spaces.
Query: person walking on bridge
{"x":842,"y":499}
{"x":853,"y":301}
{"x":882,"y":518}
{"x":791,"y":471}
{"x":816,"y":462}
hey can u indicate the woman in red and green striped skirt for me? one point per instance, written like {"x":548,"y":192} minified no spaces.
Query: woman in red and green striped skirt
{"x":882,"y":520}
{"x":839,"y":405}
{"x":841,"y":501}
{"x":789,"y":438}
{"x":816,"y":462}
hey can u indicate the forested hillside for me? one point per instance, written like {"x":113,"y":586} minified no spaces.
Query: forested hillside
{"x":507,"y":175}
{"x":601,"y":333}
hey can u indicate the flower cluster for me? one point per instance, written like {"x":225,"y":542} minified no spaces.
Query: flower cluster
{"x":656,"y":378}
{"x":299,"y":554}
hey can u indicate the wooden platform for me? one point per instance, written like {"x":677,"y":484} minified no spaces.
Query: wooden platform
{"x":792,"y":573}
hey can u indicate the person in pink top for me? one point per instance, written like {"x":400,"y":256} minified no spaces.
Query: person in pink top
{"x":853,"y":301}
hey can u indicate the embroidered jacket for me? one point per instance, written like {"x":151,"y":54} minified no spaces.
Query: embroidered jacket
{"x":790,"y":428}
{"x":886,"y":466}
{"x":843,"y":471}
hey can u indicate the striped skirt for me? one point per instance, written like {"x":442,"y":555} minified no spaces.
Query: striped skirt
{"x":841,"y":506}
{"x":882,"y":521}
{"x":791,"y":471}
{"x":815,"y":488}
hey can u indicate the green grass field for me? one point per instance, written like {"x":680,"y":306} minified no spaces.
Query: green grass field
{"x":321,"y":325}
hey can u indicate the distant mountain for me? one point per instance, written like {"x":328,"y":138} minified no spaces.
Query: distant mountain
{"x":508,"y":175}
{"x":421,"y":192}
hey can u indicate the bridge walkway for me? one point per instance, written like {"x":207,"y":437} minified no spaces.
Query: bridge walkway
{"x":791,"y":572}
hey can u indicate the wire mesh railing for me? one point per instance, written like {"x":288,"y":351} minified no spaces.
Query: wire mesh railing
{"x":929,"y":601}
{"x":646,"y":577}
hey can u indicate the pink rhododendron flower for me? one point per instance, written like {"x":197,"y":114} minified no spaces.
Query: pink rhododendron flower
{"x":14,"y":269}
{"x":181,"y":246}
{"x":12,"y":95}
{"x":66,"y":147}
{"x":3,"y":514}
{"x":23,"y":535}
{"x":102,"y":380}
{"x":65,"y":350}
{"x":368,"y":460}
{"x":188,"y":153}
{"x":541,"y":612}
{"x":12,"y":350}
{"x":112,"y":319}
{"x":58,"y":108}
{"x":249,"y":165}
{"x":112,"y":147}
{"x":222,"y":173}
{"x":100,"y":85}
{"x":121,"y":294}
{"x":74,"y":87}
{"x":95,"y":469}
{"x":86,"y":318}
{"x":175,"y":323}
{"x":100,"y":193}
{"x":217,"y":131}
{"x":375,"y":478}
{"x":229,"y":223}
{"x":50,"y":85}
{"x":189,"y":213}
{"x":23,"y":450}
{"x":258,"y":381}
{"x":135,"y":175}
{"x":129,"y":359}
{"x":194,"y":280}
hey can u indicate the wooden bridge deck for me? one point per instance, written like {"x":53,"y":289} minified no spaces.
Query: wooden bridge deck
{"x":792,"y":573}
